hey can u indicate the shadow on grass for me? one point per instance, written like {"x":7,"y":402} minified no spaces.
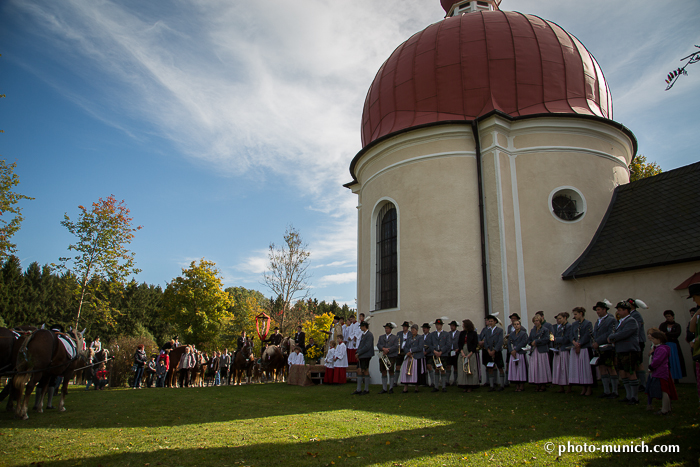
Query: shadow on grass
{"x":465,"y":425}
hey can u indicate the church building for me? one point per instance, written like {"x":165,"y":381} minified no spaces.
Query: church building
{"x":493,"y":179}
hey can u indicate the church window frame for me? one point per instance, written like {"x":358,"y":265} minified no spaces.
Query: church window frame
{"x":567,"y":204}
{"x":385,"y":278}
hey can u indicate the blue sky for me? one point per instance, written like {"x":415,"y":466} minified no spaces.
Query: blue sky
{"x":220,"y":123}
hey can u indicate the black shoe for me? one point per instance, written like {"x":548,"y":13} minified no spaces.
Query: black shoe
{"x":633,"y":402}
{"x":623,"y":401}
{"x":391,"y":391}
{"x":356,"y":393}
{"x":492,"y":389}
{"x":383,"y":391}
{"x":364,"y":392}
{"x":435,"y":390}
{"x":500,"y":389}
{"x":444,"y":389}
{"x":613,"y":395}
{"x":605,"y":395}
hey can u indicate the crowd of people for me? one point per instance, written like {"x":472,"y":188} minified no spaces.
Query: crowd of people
{"x":574,"y":351}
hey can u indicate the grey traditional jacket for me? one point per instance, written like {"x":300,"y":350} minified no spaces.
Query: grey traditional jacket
{"x":517,"y":341}
{"x":493,"y":340}
{"x":626,"y":335}
{"x":581,"y":333}
{"x":415,"y":345}
{"x":641,"y":335}
{"x":441,"y":343}
{"x":391,"y":342}
{"x":562,"y":337}
{"x":540,"y":338}
{"x":365,"y":349}
{"x":603,"y":327}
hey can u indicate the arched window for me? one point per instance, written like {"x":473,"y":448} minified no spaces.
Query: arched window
{"x":387,"y":259}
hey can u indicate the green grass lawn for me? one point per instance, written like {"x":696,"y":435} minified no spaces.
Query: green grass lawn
{"x":276,"y":424}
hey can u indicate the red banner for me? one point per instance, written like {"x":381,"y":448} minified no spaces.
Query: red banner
{"x":266,"y":325}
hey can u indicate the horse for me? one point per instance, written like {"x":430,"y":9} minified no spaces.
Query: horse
{"x":10,"y":342}
{"x":199,"y":371}
{"x":273,"y":363}
{"x":243,"y":363}
{"x":43,"y":357}
{"x":175,"y":356}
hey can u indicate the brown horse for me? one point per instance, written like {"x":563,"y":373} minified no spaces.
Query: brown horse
{"x":243,"y":363}
{"x":175,"y":356}
{"x":273,"y":363}
{"x":15,"y":338}
{"x":42,"y":357}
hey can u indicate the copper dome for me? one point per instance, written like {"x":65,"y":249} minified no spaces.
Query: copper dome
{"x":466,"y":66}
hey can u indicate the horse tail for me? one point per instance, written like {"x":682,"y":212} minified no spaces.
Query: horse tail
{"x":24,"y":364}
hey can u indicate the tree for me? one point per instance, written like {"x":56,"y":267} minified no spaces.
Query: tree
{"x":104,"y":231}
{"x":287,"y":275}
{"x":8,"y":205}
{"x":640,"y":168}
{"x":197,"y":303}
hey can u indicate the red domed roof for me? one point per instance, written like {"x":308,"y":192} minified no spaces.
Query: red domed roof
{"x":469,"y":65}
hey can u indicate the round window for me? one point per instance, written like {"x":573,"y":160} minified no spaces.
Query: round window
{"x":567,"y":204}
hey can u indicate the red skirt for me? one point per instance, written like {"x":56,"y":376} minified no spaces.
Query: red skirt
{"x":339,"y":375}
{"x":669,"y":388}
{"x":352,"y":355}
{"x":328,"y":377}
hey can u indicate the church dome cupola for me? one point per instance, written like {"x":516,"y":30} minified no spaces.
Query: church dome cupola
{"x":471,"y":64}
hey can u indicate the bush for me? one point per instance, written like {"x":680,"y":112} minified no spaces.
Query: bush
{"x":123,"y":349}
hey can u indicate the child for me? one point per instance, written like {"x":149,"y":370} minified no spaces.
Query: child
{"x":102,"y":377}
{"x":161,"y":371}
{"x":659,"y":384}
{"x":330,"y":358}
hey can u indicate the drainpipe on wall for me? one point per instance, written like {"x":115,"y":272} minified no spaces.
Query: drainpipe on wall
{"x":482,"y":219}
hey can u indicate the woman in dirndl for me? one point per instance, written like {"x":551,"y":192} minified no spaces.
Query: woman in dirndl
{"x":413,"y":366}
{"x":561,"y":346}
{"x":580,"y":371}
{"x":539,"y":372}
{"x":673,"y":331}
{"x":468,"y":344}
{"x":330,"y":363}
{"x":517,"y":365}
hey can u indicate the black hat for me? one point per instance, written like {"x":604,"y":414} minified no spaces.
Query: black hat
{"x":693,"y":289}
{"x":426,"y":325}
{"x":601,"y":305}
{"x":336,"y":317}
{"x":624,"y":304}
{"x":365,"y":324}
{"x":389,"y":325}
{"x":407,"y":324}
{"x":514,"y":315}
{"x":492,"y":317}
{"x":439,"y":321}
{"x":453,"y":323}
{"x":276,"y":329}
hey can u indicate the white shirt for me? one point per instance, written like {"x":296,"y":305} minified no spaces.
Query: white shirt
{"x":330,"y":357}
{"x":296,"y":359}
{"x":341,"y":356}
{"x":353,"y":331}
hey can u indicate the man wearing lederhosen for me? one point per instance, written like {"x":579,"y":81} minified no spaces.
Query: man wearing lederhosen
{"x":365,"y":352}
{"x":403,"y":337}
{"x":388,"y":344}
{"x":441,"y":344}
{"x":428,"y":354}
{"x":450,"y":362}
{"x":626,"y":340}
{"x":641,"y":336}
{"x":602,"y":328}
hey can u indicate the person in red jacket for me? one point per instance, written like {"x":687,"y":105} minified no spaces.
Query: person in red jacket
{"x":102,"y":377}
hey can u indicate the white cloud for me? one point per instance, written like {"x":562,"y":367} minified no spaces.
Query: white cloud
{"x":255,"y":264}
{"x":342,"y":278}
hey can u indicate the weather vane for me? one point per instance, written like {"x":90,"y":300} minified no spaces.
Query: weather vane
{"x":675,"y":74}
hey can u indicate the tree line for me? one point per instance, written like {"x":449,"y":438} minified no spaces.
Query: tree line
{"x":43,"y":295}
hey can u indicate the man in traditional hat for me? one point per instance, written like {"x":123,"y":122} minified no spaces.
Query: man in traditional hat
{"x":492,"y":357}
{"x":428,"y":353}
{"x":450,"y":362}
{"x":441,"y":344}
{"x":402,"y":337}
{"x":626,"y":340}
{"x":300,"y":339}
{"x":365,"y":352}
{"x":642,"y":336}
{"x":275,"y":338}
{"x":388,"y":345}
{"x":602,"y":328}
